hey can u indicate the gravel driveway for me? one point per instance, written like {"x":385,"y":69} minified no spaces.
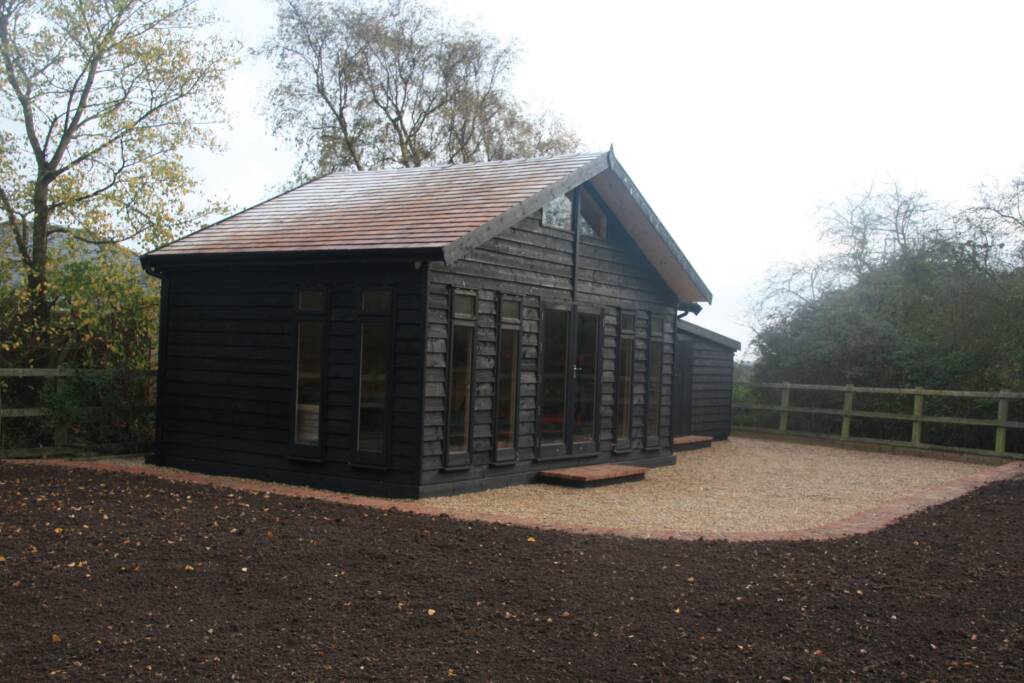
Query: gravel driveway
{"x":739,"y":485}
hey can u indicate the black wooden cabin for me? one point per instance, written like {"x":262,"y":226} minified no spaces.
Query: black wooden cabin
{"x":424,"y":331}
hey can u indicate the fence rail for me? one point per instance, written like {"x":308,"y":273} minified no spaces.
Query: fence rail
{"x":58,"y":375}
{"x":1000,"y":422}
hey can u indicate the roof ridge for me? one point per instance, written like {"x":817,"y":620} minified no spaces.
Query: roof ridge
{"x":464,"y":164}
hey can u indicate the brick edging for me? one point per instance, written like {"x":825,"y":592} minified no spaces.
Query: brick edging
{"x":862,"y":522}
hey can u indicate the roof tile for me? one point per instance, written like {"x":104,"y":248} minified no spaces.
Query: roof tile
{"x":404,"y":208}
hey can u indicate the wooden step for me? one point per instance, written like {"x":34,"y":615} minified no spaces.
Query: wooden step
{"x":690,"y":443}
{"x":592,"y":475}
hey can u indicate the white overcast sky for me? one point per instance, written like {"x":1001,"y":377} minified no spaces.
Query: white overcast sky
{"x":737,"y":120}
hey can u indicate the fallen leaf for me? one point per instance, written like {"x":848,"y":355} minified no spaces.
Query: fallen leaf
{"x":431,"y":611}
{"x":2,"y":558}
{"x":189,"y":568}
{"x":55,"y":639}
{"x":531,"y":539}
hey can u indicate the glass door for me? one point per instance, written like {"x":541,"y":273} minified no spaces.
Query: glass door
{"x":553,"y":383}
{"x":569,"y":383}
{"x":584,"y":375}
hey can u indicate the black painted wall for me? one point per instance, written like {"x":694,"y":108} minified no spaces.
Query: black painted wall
{"x":226,"y":385}
{"x":534,"y":264}
{"x":704,"y":375}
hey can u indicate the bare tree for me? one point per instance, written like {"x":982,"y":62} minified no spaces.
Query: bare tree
{"x":363,"y":86}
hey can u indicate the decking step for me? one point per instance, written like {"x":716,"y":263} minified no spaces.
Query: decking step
{"x":592,"y":475}
{"x":690,"y":443}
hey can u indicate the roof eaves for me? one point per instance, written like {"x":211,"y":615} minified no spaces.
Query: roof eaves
{"x":462,"y":246}
{"x":657,"y":225}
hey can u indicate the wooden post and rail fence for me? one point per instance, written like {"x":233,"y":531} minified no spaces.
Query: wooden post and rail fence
{"x":58,"y":376}
{"x":1000,"y":422}
{"x":785,"y":408}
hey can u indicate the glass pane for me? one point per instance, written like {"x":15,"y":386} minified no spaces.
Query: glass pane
{"x":510,"y":310}
{"x":459,"y":395}
{"x":556,"y":329}
{"x":373,"y":385}
{"x":593,"y":221}
{"x":311,"y":301}
{"x":628,"y":322}
{"x":377,"y":301}
{"x":558,"y":214}
{"x":308,"y":381}
{"x":624,"y":383}
{"x":657,"y":326}
{"x":508,"y":357}
{"x":654,"y":381}
{"x":586,"y":377}
{"x":464,"y":305}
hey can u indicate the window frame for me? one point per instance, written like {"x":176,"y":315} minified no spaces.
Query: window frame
{"x":460,"y":460}
{"x":624,"y":442}
{"x":297,"y":450}
{"x":555,"y":450}
{"x":363,"y":458}
{"x":572,"y":209}
{"x":508,"y":454}
{"x":575,"y":197}
{"x":599,"y":205}
{"x":588,"y":447}
{"x":652,"y":440}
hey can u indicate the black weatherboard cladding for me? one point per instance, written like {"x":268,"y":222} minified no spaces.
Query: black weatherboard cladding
{"x":227,"y":375}
{"x":534,"y":264}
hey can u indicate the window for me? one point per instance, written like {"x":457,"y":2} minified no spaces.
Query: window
{"x":374,"y":364}
{"x":628,"y":322}
{"x":556,"y":339}
{"x":654,"y":395}
{"x":585,"y":374}
{"x":460,"y":400}
{"x":593,"y":220}
{"x":309,"y":364}
{"x":624,"y":381}
{"x":510,"y":310}
{"x":654,"y":379}
{"x":507,"y":374}
{"x":308,"y":382}
{"x":558,"y":213}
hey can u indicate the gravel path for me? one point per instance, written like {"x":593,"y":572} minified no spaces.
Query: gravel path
{"x":740,"y":485}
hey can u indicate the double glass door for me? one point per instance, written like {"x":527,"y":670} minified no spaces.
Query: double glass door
{"x":569,"y":383}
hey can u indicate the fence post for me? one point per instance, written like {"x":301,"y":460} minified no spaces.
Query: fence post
{"x":784,"y":408}
{"x":60,"y":432}
{"x":1002,"y":415}
{"x":915,"y":432}
{"x":847,"y":408}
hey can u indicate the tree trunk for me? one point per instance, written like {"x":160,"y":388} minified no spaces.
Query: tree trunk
{"x":39,"y":308}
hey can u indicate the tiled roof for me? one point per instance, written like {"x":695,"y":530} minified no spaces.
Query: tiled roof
{"x":406,"y":208}
{"x":444,"y":210}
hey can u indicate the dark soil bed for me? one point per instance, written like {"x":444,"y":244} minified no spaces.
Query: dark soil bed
{"x":129,"y":576}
